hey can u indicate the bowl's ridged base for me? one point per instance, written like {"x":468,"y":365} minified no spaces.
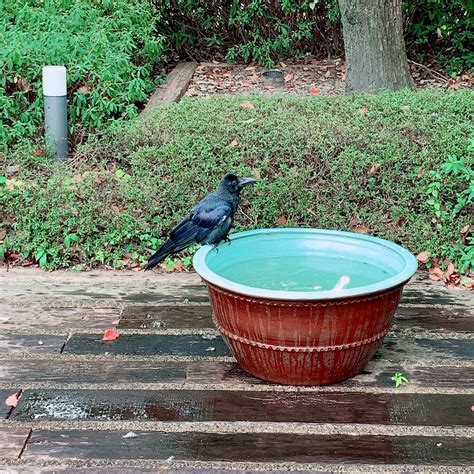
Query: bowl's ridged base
{"x":303,"y":342}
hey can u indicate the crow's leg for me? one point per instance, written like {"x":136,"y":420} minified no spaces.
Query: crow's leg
{"x":226,"y":240}
{"x":215,"y":247}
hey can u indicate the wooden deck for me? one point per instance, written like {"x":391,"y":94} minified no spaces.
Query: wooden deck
{"x":171,"y":382}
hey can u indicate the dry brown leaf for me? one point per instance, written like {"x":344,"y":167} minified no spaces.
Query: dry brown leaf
{"x":423,"y":257}
{"x":256,"y":173}
{"x":328,"y":74}
{"x":363,"y":110}
{"x":352,"y":221}
{"x":420,"y":173}
{"x":374,"y":168}
{"x":289,"y":77}
{"x":247,"y":105}
{"x":233,"y":143}
{"x":449,"y":270}
{"x":84,"y":90}
{"x":436,"y":273}
{"x":38,"y":152}
{"x":282,"y":220}
{"x":465,"y":230}
{"x":361,"y":229}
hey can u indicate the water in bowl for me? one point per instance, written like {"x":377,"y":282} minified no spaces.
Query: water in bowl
{"x":302,"y":273}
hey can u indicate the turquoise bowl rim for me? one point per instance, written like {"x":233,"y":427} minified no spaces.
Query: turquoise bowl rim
{"x":410,"y":267}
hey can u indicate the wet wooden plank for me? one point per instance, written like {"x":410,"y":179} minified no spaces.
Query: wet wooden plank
{"x":83,"y":372}
{"x":217,"y":372}
{"x":175,"y":86}
{"x":12,"y":441}
{"x":4,"y":394}
{"x":19,"y":317}
{"x":251,"y":447}
{"x":200,"y":317}
{"x":148,"y":344}
{"x":34,"y":286}
{"x":168,"y":317}
{"x":107,"y":288}
{"x":229,"y":406}
{"x":395,"y":347}
{"x":31,"y":343}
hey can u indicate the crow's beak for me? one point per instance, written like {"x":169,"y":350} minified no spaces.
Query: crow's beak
{"x":246,"y":181}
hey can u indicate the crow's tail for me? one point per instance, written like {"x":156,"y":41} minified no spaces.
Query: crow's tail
{"x":168,"y":248}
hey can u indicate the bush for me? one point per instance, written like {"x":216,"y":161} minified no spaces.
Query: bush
{"x":110,"y":48}
{"x":339,"y":162}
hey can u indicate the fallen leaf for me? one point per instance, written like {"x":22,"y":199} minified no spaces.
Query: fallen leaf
{"x":423,"y":257}
{"x":449,"y":271}
{"x":289,"y":77}
{"x":83,"y":90}
{"x":282,"y":220}
{"x":436,"y":273}
{"x":130,"y":434}
{"x":420,"y":173}
{"x":233,"y":143}
{"x":38,"y":152}
{"x":465,"y":230}
{"x":314,"y":91}
{"x":12,"y":400}
{"x":467,"y":282}
{"x":247,"y":105}
{"x":361,"y":229}
{"x":252,"y":120}
{"x":363,"y":110}
{"x":472,"y":408}
{"x":110,"y":335}
{"x":328,"y":74}
{"x":116,"y":322}
{"x":12,"y":169}
{"x":374,"y":168}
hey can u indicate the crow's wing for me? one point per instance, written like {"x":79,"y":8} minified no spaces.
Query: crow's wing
{"x":202,"y":220}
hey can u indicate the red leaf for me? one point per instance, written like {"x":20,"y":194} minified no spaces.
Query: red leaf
{"x":12,"y":400}
{"x":111,"y":335}
{"x":282,"y":220}
{"x":423,"y":257}
{"x":361,"y":229}
{"x":314,"y":91}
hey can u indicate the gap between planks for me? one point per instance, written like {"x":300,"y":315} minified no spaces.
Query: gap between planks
{"x":249,"y":427}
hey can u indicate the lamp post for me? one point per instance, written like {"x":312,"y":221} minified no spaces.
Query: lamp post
{"x":55,"y":110}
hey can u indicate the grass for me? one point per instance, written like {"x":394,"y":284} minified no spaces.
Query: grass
{"x":362,"y":162}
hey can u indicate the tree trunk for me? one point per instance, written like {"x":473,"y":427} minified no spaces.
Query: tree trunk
{"x":374,"y":45}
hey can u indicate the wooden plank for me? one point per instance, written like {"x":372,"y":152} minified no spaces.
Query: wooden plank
{"x":19,"y":317}
{"x":395,"y":347}
{"x":169,"y":317}
{"x":175,"y":86}
{"x":200,"y":317}
{"x":148,"y":344}
{"x":90,"y":372}
{"x":4,"y":394}
{"x":12,"y":441}
{"x":31,"y":343}
{"x":110,"y":288}
{"x":60,"y":371}
{"x":229,"y":405}
{"x":250,"y":447}
{"x":435,"y":318}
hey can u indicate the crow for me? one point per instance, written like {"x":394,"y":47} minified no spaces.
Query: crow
{"x":208,"y":223}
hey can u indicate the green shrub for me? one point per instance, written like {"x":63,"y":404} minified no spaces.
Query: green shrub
{"x":110,"y":48}
{"x":332,"y":162}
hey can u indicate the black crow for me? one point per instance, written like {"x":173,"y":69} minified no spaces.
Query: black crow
{"x":208,"y":223}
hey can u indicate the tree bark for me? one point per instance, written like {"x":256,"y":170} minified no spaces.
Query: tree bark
{"x":374,"y":45}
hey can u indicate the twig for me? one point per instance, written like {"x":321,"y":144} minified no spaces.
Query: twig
{"x":431,"y":71}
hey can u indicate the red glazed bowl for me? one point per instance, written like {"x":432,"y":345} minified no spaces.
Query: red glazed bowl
{"x":304,"y":306}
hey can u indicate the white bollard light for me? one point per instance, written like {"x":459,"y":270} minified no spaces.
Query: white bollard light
{"x":55,"y":110}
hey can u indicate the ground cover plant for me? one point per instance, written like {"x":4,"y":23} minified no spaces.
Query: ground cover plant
{"x":396,"y":165}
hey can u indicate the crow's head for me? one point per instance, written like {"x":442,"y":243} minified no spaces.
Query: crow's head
{"x":233,"y":184}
